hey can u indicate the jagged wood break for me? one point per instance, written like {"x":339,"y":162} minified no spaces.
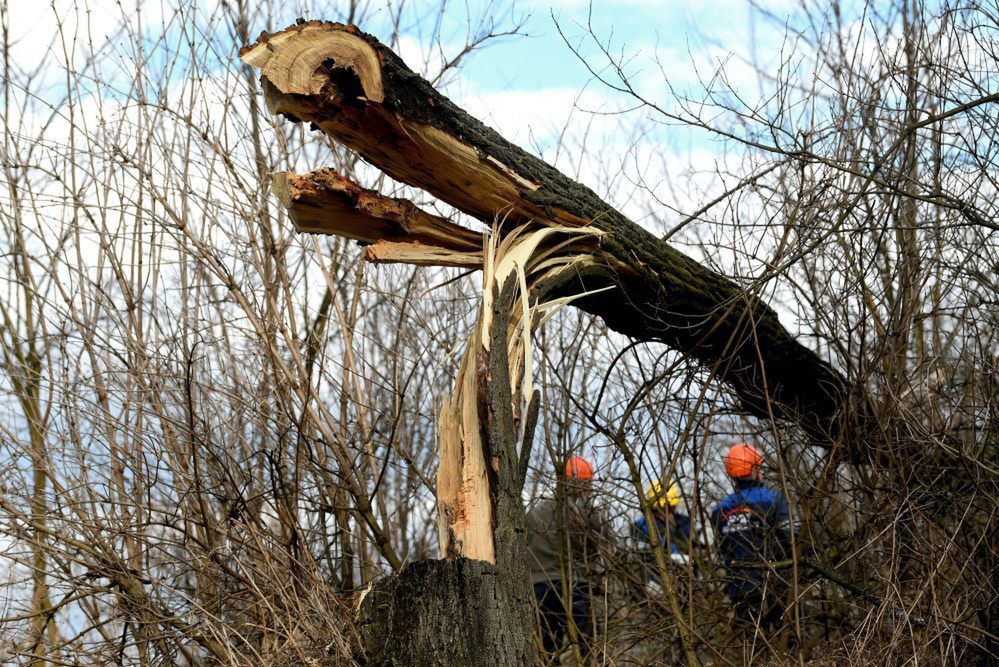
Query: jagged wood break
{"x":324,"y":202}
{"x":362,"y":95}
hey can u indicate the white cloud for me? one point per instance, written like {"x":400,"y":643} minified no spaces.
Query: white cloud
{"x":42,"y":30}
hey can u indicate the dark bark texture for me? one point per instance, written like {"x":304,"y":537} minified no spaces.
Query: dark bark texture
{"x":448,"y":612}
{"x":418,"y":136}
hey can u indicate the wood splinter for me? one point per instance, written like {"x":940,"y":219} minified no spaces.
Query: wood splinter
{"x":324,"y":202}
{"x":364,"y":96}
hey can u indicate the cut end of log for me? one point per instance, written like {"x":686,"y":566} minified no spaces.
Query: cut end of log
{"x":292,"y":60}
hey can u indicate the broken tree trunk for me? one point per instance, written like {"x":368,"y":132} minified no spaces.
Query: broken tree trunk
{"x":485,"y":432}
{"x":362,"y":95}
{"x":556,"y":238}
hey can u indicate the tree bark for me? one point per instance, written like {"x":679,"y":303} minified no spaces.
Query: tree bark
{"x":361,"y":94}
{"x":447,"y":612}
{"x":353,"y":88}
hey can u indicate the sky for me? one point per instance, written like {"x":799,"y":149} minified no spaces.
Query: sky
{"x":544,"y":58}
{"x":527,"y":84}
{"x":531,"y":86}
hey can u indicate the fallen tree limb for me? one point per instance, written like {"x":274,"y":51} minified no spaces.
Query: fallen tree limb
{"x":362,"y":95}
{"x":555,"y":241}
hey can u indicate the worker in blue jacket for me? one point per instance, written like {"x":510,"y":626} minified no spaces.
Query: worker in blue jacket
{"x":672,"y":525}
{"x":753,"y":528}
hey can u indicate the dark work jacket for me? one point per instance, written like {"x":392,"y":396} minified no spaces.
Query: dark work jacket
{"x":677,"y":537}
{"x":752,"y":525}
{"x":589,"y":540}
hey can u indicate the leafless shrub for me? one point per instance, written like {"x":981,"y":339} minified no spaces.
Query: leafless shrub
{"x":217,"y":433}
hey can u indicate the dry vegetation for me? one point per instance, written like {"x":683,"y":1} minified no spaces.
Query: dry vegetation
{"x":216,"y":432}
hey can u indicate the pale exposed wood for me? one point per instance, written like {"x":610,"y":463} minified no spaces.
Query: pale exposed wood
{"x":419,"y":137}
{"x":523,"y":259}
{"x":464,"y":516}
{"x":324,"y":202}
{"x":390,"y":252}
{"x":296,"y":70}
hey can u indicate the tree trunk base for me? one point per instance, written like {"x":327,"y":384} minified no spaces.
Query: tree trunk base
{"x":459,"y":611}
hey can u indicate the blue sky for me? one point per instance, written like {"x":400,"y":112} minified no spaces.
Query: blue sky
{"x":542,"y":59}
{"x":527,"y":86}
{"x":531,"y":88}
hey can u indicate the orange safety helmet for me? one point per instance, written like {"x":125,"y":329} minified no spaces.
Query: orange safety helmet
{"x":742,"y":460}
{"x":578,"y":468}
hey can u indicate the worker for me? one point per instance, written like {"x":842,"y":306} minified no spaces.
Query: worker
{"x":753,"y":529}
{"x":672,"y":525}
{"x":566,"y":537}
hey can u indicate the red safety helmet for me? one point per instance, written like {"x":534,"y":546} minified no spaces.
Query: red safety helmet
{"x":578,"y":468}
{"x":742,"y":461}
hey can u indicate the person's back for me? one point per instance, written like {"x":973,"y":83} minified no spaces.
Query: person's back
{"x":753,"y":529}
{"x":561,"y":539}
{"x":751,"y":524}
{"x":565,"y":541}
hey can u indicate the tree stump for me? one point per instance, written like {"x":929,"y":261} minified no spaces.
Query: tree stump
{"x":420,"y":616}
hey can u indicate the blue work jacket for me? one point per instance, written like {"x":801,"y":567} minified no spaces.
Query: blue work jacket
{"x":677,"y":537}
{"x":752,"y":525}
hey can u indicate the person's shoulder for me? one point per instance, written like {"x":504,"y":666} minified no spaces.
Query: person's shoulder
{"x":765,"y":496}
{"x":726,"y":503}
{"x":543,"y":505}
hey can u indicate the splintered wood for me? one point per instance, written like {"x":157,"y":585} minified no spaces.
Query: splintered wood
{"x":363,"y":96}
{"x":324,"y":202}
{"x":464,"y":498}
